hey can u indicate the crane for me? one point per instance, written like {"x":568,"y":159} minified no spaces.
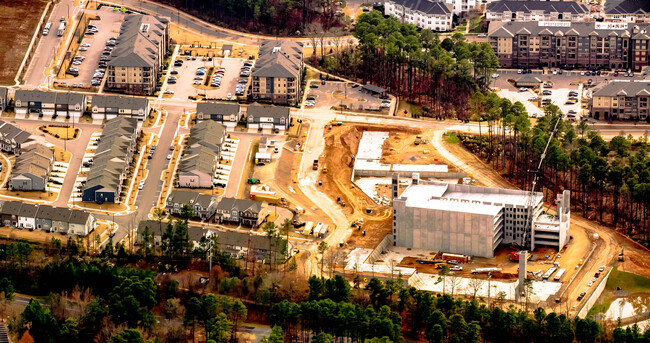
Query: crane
{"x":530,"y":200}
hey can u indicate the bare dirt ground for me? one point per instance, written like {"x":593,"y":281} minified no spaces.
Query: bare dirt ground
{"x":400,"y":148}
{"x":341,"y":144}
{"x":19,"y":19}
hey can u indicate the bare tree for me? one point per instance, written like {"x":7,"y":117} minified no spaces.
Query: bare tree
{"x":475,"y":285}
{"x":454,"y":280}
{"x":314,"y":31}
{"x":336,"y":38}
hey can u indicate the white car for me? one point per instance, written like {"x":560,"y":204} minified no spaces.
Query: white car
{"x":85,"y":45}
{"x":197,"y":82}
{"x":590,"y":283}
{"x":141,"y":185}
{"x":169,"y":157}
{"x":169,"y":92}
{"x":229,"y":96}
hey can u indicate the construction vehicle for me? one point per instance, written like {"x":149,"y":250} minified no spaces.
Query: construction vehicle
{"x":324,"y":169}
{"x":315,"y":165}
{"x":621,"y":256}
{"x":514,"y":256}
{"x":455,"y":257}
{"x":273,"y":200}
{"x":253,"y":181}
{"x":530,"y":201}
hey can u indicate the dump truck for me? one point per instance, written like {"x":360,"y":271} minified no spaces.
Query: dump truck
{"x":455,"y":257}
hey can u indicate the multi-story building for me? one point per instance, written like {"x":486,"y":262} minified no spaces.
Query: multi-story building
{"x":136,"y":62}
{"x":112,"y":161}
{"x":268,"y":117}
{"x":4,"y":98}
{"x":621,"y":100}
{"x":203,"y":205}
{"x":13,"y":139}
{"x":31,"y":171}
{"x":425,"y":14}
{"x":474,"y":220}
{"x":277,"y":75}
{"x":45,"y":217}
{"x":631,"y":11}
{"x":111,"y":106}
{"x":199,"y":161}
{"x":241,"y":211}
{"x":596,"y":45}
{"x":512,"y":10}
{"x":227,"y":114}
{"x":49,"y":103}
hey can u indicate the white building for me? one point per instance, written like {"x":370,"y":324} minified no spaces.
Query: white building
{"x":528,"y":11}
{"x":425,"y":14}
{"x":473,"y":220}
{"x":630,"y":11}
{"x":461,"y":6}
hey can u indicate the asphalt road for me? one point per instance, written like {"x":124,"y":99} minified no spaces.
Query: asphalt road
{"x":47,"y":46}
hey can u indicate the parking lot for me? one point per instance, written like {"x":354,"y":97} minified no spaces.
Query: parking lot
{"x":341,"y":93}
{"x":108,"y":26}
{"x":85,"y":167}
{"x":561,"y":86}
{"x":184,"y":84}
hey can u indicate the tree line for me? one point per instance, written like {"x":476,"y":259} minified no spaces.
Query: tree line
{"x":275,"y":17}
{"x":609,"y":181}
{"x":414,"y":64}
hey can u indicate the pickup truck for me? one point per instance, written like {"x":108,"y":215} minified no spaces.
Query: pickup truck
{"x":315,"y":165}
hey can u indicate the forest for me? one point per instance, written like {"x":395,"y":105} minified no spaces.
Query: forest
{"x":128,"y":299}
{"x":272,"y":17}
{"x":414,"y":64}
{"x":609,"y":181}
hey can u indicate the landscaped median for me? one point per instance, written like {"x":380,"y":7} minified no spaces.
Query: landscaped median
{"x":63,"y":132}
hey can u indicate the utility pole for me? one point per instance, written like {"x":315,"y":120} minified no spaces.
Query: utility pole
{"x":210,"y":261}
{"x":489,"y":278}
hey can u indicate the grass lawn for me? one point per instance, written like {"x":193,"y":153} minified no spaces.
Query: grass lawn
{"x":451,"y":138}
{"x":474,"y":25}
{"x":61,"y":132}
{"x":627,"y":281}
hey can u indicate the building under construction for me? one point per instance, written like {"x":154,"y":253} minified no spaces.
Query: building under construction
{"x":474,"y":220}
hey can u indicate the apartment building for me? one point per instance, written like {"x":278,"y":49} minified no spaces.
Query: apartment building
{"x":241,"y":211}
{"x":425,"y":14}
{"x":202,"y":205}
{"x":112,"y":161}
{"x":595,"y":45}
{"x":4,"y":98}
{"x":630,"y":11}
{"x":137,"y":60}
{"x":31,"y":171}
{"x":198,"y":164}
{"x":268,"y":117}
{"x":226,"y":113}
{"x":111,"y":106}
{"x":277,"y":75}
{"x":45,"y":217}
{"x":49,"y":103}
{"x":12,"y":139}
{"x":513,"y":10}
{"x":474,"y":220}
{"x":621,"y":99}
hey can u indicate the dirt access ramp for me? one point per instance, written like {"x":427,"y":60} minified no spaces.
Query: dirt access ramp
{"x":400,"y":148}
{"x":19,"y":19}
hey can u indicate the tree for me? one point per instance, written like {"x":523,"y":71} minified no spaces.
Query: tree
{"x":238,"y":313}
{"x":131,"y":302}
{"x":42,"y":325}
{"x":187,"y":212}
{"x":271,"y":232}
{"x":322,"y":337}
{"x":442,"y":275}
{"x":192,"y":313}
{"x":475,"y":284}
{"x":218,"y":328}
{"x":322,"y":248}
{"x":127,"y":336}
{"x":276,"y":336}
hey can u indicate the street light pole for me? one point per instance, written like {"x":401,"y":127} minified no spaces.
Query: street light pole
{"x":489,"y":278}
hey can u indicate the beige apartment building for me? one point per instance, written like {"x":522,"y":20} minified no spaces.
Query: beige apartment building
{"x":277,"y":75}
{"x":137,"y":60}
{"x":621,"y":100}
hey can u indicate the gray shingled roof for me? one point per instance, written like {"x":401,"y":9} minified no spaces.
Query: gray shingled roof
{"x":78,"y":217}
{"x":627,"y":7}
{"x":182,"y":197}
{"x":35,"y":95}
{"x":256,"y":110}
{"x":426,"y":6}
{"x":28,"y":210}
{"x":9,"y":132}
{"x":228,"y":204}
{"x":280,"y":58}
{"x":130,"y":102}
{"x":511,"y":28}
{"x":625,"y":88}
{"x":35,"y":160}
{"x":529,"y":6}
{"x":211,"y":107}
{"x":109,"y":160}
{"x":11,"y":207}
{"x":373,"y":88}
{"x":3,"y":93}
{"x":136,"y":48}
{"x":47,"y":212}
